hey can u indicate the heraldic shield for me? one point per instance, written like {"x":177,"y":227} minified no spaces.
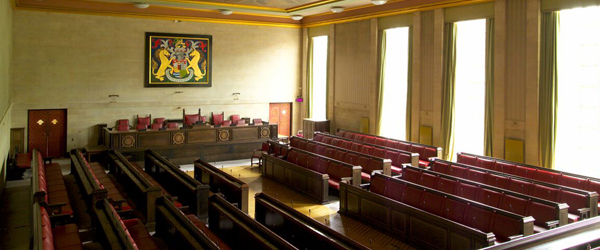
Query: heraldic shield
{"x":178,"y":60}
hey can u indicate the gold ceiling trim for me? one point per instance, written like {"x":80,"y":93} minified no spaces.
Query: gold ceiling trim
{"x":232,"y":5}
{"x":311,"y":5}
{"x":160,"y":17}
{"x":393,"y":12}
{"x":237,"y":13}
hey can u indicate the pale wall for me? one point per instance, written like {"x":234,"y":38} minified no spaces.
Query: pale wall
{"x":6,"y":31}
{"x":516,"y":70}
{"x":75,"y":62}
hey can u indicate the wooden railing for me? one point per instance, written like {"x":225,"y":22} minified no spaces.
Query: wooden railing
{"x":234,"y":190}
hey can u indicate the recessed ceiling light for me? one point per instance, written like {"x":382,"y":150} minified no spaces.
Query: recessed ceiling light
{"x":226,"y":12}
{"x":378,"y":2}
{"x":337,"y":9}
{"x":297,"y":17}
{"x":177,"y":21}
{"x":141,"y":5}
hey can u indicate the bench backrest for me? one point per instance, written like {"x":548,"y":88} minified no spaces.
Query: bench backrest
{"x":533,"y":172}
{"x":235,"y":190}
{"x":425,"y":151}
{"x":115,"y":232}
{"x":460,"y":210}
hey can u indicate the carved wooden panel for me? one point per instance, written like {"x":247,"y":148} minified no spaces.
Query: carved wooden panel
{"x":299,"y":181}
{"x":201,"y":135}
{"x":459,"y":241}
{"x":178,"y":138}
{"x":265,"y":132}
{"x":428,"y":233}
{"x":128,"y":141}
{"x":153,"y":139}
{"x":352,"y":203}
{"x":398,"y":222}
{"x":243,"y":133}
{"x":224,"y":134}
{"x":375,"y":212}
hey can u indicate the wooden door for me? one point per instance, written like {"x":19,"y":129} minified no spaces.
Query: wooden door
{"x":281,"y":113}
{"x":48,"y":132}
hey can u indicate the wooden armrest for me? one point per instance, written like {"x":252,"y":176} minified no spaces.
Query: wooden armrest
{"x":552,"y":224}
{"x":365,"y":186}
{"x":346,"y":180}
{"x":60,"y":219}
{"x":53,"y":209}
{"x":518,"y":236}
{"x":117,"y":204}
{"x":376,"y":171}
{"x":584,"y":213}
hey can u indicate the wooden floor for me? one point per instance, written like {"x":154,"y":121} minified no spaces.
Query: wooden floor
{"x":326,"y":213}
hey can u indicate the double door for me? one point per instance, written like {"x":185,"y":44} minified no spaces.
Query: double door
{"x":281,"y":113}
{"x":47,"y":131}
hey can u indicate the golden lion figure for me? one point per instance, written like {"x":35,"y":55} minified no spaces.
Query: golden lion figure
{"x":163,"y":56}
{"x":196,"y":56}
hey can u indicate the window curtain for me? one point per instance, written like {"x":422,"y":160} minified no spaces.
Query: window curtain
{"x":489,"y":88}
{"x":448,"y":78}
{"x":381,"y":83}
{"x":310,"y":78}
{"x":548,"y":88}
{"x":409,"y":85}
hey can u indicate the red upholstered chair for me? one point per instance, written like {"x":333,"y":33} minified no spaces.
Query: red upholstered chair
{"x":226,"y":123}
{"x":189,"y":120}
{"x":156,"y":126}
{"x":241,"y":122}
{"x":171,"y":125}
{"x":217,"y":119}
{"x":144,"y":121}
{"x":257,"y":121}
{"x":257,"y":154}
{"x":123,"y":128}
{"x":123,"y":122}
{"x":234,"y":119}
{"x":141,"y":126}
{"x":159,"y":121}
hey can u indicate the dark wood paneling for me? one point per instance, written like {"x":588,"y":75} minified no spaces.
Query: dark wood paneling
{"x":149,"y":140}
{"x":195,"y":136}
{"x":244,"y":134}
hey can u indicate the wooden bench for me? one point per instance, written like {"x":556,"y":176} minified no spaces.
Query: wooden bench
{"x":94,"y":173}
{"x":48,"y":186}
{"x":47,"y":234}
{"x":582,"y":204}
{"x":368,"y":162}
{"x":239,"y":230}
{"x":528,"y":171}
{"x":424,"y":151}
{"x":189,"y":191}
{"x":89,"y":186}
{"x":234,"y":190}
{"x":140,"y":190}
{"x":298,"y":229}
{"x":116,"y":233}
{"x":397,"y":156}
{"x":183,"y":232}
{"x":310,"y":173}
{"x":429,"y":218}
{"x":547,"y":214}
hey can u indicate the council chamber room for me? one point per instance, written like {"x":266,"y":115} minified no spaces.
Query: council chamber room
{"x":299,"y":124}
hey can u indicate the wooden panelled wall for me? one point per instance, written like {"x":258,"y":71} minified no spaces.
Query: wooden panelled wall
{"x":354,"y":70}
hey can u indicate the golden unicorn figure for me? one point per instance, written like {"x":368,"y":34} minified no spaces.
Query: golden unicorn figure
{"x":196,"y":56}
{"x":162,"y":55}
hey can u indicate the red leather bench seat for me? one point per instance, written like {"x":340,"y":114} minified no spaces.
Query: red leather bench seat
{"x":574,"y":200}
{"x":104,"y":181}
{"x":541,"y":212}
{"x":50,"y":180}
{"x":140,"y":234}
{"x":213,"y":237}
{"x":460,"y":212}
{"x":321,"y":165}
{"x":65,"y":237}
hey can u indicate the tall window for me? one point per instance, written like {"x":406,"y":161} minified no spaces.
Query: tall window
{"x":578,"y":109}
{"x":395,"y":78}
{"x":318,"y":90}
{"x":469,"y":92}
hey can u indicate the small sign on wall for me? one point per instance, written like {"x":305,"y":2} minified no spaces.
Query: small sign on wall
{"x":178,"y":60}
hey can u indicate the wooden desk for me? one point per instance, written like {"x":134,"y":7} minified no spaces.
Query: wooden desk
{"x":206,"y":142}
{"x":94,"y":150}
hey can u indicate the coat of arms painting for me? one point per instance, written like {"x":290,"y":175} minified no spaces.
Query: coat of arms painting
{"x":178,"y":60}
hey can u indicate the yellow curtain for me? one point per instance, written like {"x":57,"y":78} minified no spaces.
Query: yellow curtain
{"x":381,"y":83}
{"x":548,"y":88}
{"x":489,"y":88}
{"x":448,"y":78}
